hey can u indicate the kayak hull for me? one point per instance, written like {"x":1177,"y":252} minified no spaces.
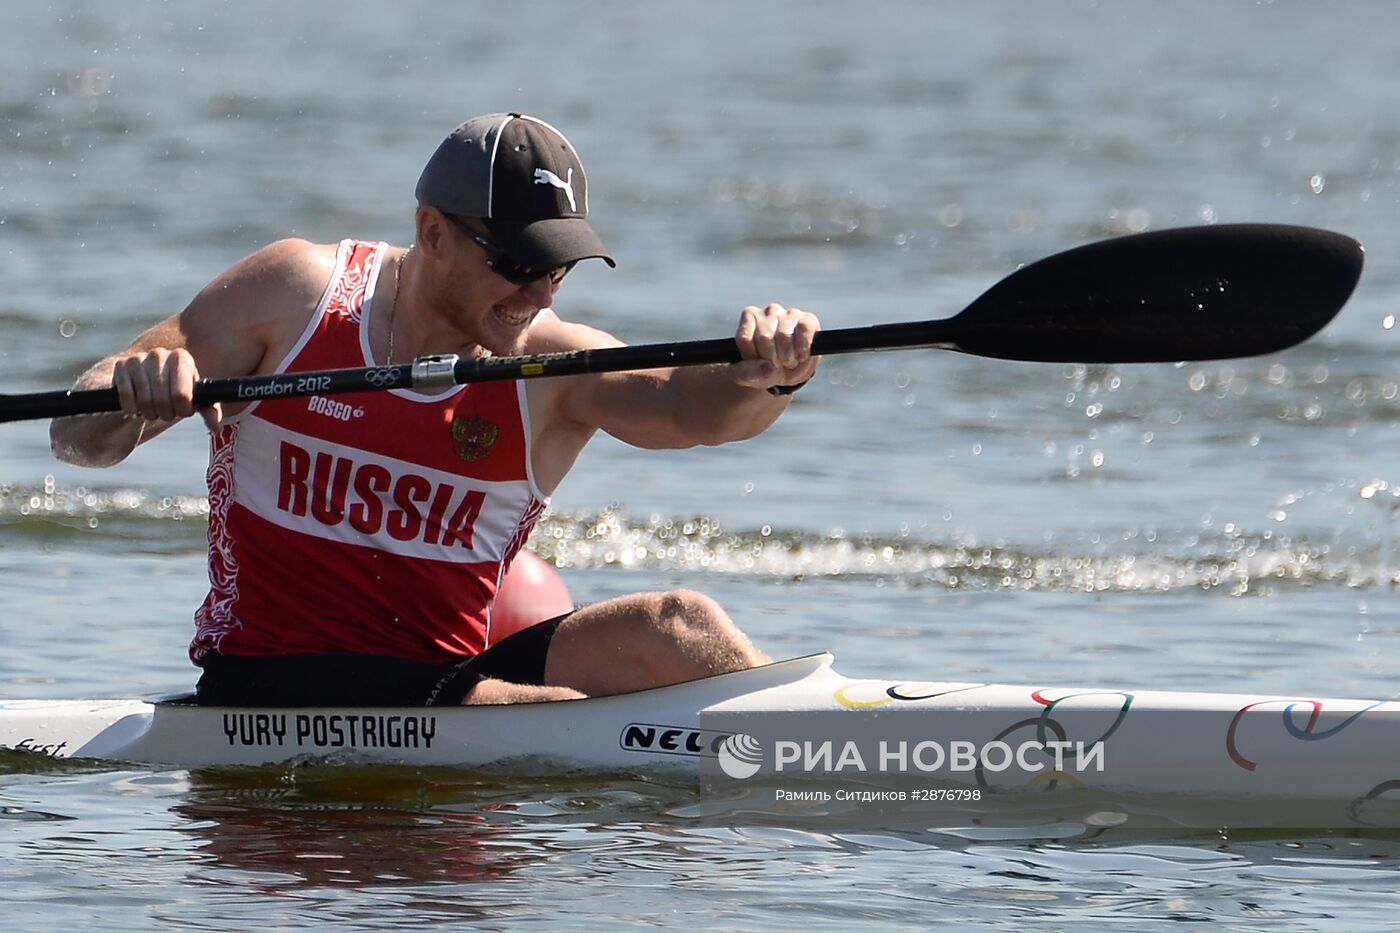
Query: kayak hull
{"x":1337,"y":760}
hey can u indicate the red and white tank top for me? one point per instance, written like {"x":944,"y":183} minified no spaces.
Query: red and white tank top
{"x":378,"y":522}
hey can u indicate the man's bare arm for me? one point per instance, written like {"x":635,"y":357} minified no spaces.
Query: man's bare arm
{"x":694,"y":405}
{"x":232,"y":327}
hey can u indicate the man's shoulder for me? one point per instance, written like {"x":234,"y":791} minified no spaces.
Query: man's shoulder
{"x":294,"y":259}
{"x":270,"y":292}
{"x":289,"y":267}
{"x":551,"y":334}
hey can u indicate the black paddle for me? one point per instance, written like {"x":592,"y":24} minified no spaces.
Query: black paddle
{"x":1194,"y":293}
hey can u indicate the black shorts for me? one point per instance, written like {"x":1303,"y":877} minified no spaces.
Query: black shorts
{"x":342,"y":679}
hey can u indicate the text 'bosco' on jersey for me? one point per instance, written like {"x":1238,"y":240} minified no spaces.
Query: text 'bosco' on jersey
{"x":332,"y":489}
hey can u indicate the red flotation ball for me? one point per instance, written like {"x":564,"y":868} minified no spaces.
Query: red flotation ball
{"x":531,"y":592}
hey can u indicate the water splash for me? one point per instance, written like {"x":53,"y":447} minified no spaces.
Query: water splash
{"x":1235,"y":560}
{"x":48,"y":500}
{"x":1232,"y":559}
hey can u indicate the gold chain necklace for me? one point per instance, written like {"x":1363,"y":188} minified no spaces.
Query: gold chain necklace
{"x":394,"y":305}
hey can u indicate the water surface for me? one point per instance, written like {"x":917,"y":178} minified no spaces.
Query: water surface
{"x":1225,"y":526}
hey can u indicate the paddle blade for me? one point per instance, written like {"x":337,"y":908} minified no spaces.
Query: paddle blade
{"x":1193,"y":293}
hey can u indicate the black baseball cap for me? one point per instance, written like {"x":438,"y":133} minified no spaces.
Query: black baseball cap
{"x":520,"y":177}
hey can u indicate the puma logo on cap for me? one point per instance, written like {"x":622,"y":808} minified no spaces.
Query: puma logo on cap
{"x":544,"y":176}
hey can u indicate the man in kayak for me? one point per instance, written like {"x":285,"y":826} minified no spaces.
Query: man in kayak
{"x":356,"y":542}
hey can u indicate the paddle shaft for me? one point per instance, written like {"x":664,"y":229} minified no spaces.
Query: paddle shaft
{"x":437,"y":371}
{"x":1193,"y":293}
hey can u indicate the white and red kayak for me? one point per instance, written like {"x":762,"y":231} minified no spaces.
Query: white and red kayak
{"x":1335,"y":760}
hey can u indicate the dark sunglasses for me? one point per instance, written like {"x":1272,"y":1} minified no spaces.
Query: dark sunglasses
{"x":507,"y":268}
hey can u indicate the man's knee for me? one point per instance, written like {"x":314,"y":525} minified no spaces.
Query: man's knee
{"x":701,"y":629}
{"x":688,"y":608}
{"x":647,"y":639}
